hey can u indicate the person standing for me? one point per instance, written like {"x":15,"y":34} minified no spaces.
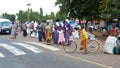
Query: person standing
{"x":84,"y":39}
{"x":13,"y":31}
{"x":48,"y":33}
{"x":35,"y":28}
{"x":41,"y":28}
{"x":24,"y":30}
{"x":55,"y":31}
{"x":67,"y":30}
{"x":40,"y":32}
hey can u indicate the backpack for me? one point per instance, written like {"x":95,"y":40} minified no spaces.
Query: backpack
{"x":116,"y":50}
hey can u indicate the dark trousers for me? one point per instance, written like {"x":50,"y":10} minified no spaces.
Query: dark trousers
{"x":24,"y":32}
{"x":44,"y":36}
{"x":55,"y":35}
{"x":40,"y":34}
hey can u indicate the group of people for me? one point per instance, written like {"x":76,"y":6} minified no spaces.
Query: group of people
{"x":58,"y":32}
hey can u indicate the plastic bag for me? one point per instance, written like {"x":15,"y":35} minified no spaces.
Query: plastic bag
{"x":110,"y":44}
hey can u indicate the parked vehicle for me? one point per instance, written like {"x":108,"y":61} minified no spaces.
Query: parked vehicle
{"x":5,"y":26}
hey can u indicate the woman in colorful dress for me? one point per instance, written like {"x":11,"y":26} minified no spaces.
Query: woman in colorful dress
{"x":48,"y":33}
{"x":67,"y":30}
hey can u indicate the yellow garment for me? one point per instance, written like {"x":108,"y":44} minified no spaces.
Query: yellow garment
{"x":84,"y":39}
{"x":83,"y":34}
{"x":48,"y":34}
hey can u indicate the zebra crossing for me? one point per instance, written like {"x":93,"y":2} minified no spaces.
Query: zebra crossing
{"x":15,"y":48}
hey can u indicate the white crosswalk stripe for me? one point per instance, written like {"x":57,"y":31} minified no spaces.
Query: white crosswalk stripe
{"x":45,"y":46}
{"x":1,"y":55}
{"x":12,"y":49}
{"x":30,"y":47}
{"x":15,"y":49}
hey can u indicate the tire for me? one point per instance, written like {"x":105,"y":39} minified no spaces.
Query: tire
{"x":93,"y":46}
{"x":70,"y":48}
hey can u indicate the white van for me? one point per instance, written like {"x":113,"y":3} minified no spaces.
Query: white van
{"x":5,"y":26}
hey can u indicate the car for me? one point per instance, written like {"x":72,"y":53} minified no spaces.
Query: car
{"x":5,"y":26}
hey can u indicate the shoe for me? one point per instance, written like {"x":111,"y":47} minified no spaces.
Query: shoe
{"x":81,"y":48}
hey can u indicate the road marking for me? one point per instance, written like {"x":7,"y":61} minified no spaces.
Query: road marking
{"x":99,"y":64}
{"x":12,"y":49}
{"x":45,"y":46}
{"x":30,"y":47}
{"x":1,"y":55}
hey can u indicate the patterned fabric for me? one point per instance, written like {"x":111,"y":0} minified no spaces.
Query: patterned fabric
{"x":48,"y":34}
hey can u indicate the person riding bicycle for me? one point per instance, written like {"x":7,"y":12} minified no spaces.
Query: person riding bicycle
{"x":84,"y":39}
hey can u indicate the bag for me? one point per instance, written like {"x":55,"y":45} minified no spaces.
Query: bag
{"x":110,"y":43}
{"x":116,"y":50}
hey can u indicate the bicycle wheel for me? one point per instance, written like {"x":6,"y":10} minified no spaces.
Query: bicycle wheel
{"x":71,"y":47}
{"x":93,"y":46}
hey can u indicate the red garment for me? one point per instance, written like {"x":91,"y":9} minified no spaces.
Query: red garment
{"x":113,"y":32}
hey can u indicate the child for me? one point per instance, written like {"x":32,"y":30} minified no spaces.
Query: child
{"x":84,"y":39}
{"x":61,"y":38}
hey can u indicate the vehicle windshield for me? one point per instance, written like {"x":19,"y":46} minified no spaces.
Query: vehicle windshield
{"x":5,"y":23}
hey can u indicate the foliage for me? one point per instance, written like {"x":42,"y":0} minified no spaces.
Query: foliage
{"x":90,"y":9}
{"x":22,"y":15}
{"x":9,"y":16}
{"x":41,"y":17}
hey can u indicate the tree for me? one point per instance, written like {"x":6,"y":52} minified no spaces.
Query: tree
{"x":22,"y":15}
{"x":9,"y":16}
{"x":114,"y":8}
{"x":34,"y":16}
{"x":61,"y":15}
{"x":41,"y":14}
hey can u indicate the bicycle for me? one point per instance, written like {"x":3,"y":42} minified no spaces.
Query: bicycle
{"x":93,"y":45}
{"x":70,"y":46}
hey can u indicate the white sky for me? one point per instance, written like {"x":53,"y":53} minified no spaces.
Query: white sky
{"x":13,"y":6}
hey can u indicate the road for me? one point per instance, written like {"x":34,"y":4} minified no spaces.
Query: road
{"x":29,"y":53}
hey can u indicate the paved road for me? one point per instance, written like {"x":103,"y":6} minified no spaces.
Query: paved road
{"x":23,"y":55}
{"x":97,"y":59}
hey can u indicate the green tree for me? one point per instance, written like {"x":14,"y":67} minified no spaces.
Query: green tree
{"x":52,"y":16}
{"x":41,"y":14}
{"x":34,"y":16}
{"x":22,"y":15}
{"x":9,"y":16}
{"x":114,"y":8}
{"x":60,"y":15}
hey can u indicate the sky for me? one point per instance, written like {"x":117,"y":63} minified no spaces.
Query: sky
{"x":13,"y":6}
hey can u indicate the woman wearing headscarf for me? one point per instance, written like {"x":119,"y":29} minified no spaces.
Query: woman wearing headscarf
{"x":48,"y":33}
{"x":67,"y":30}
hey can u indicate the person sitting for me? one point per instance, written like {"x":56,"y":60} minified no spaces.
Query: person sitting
{"x":116,"y":49}
{"x":114,"y":31}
